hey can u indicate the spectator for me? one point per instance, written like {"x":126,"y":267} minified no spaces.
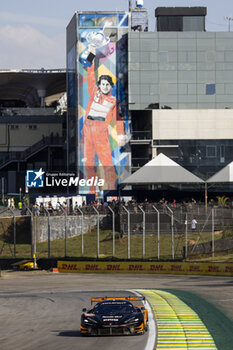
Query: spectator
{"x":65,"y":207}
{"x":194,"y":225}
{"x":58,"y":208}
{"x":12,"y":203}
{"x":36,"y":209}
{"x":76,"y":207}
{"x":41,"y":209}
{"x":50,"y":208}
{"x":193,"y":201}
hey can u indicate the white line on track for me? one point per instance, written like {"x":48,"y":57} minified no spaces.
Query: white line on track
{"x":150,"y":345}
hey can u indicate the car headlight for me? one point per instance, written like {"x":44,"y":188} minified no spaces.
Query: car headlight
{"x":132,"y":320}
{"x":89,"y":320}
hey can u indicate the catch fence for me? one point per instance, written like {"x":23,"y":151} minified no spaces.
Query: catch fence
{"x":126,"y":231}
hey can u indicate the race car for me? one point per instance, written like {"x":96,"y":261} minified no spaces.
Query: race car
{"x":25,"y":265}
{"x":114,"y":316}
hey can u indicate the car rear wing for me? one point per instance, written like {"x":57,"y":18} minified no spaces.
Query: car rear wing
{"x":95,"y":300}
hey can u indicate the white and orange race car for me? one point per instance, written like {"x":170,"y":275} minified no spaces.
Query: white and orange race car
{"x":114,"y":316}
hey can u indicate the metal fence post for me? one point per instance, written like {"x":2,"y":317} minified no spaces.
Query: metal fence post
{"x":65,"y":215}
{"x":143,"y":232}
{"x":98,"y":231}
{"x":33,"y":237}
{"x":127,"y":211}
{"x":172,"y":229}
{"x":14,"y":230}
{"x":48,"y":214}
{"x":34,"y":254}
{"x":158,"y":230}
{"x":213,"y":232}
{"x":113,"y":230}
{"x":14,"y":235}
{"x":186,"y":236}
{"x":82,"y":238}
{"x":65,"y":233}
{"x":31,"y":229}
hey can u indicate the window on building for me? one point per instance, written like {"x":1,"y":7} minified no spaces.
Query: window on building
{"x":222,"y":153}
{"x":211,"y":151}
{"x":163,"y":56}
{"x":32,"y":127}
{"x":210,"y":89}
{"x":14,"y":127}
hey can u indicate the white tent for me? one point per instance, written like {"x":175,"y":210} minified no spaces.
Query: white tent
{"x":224,"y":175}
{"x":161,"y":170}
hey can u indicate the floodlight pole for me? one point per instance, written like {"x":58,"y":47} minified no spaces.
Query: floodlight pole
{"x":229,"y":19}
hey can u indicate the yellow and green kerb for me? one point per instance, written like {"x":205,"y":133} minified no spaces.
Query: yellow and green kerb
{"x":178,"y":326}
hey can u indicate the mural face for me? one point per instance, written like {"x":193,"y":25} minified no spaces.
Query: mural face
{"x":102,"y":99}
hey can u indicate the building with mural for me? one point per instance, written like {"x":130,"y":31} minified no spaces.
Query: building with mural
{"x":166,"y":91}
{"x":98,"y":122}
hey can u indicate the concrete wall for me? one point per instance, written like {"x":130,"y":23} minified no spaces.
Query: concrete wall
{"x":199,"y":124}
{"x":57,"y":226}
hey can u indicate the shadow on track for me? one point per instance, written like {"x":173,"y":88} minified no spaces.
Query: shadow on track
{"x":69,"y":333}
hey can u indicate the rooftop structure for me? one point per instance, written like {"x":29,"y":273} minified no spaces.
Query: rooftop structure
{"x":180,"y":19}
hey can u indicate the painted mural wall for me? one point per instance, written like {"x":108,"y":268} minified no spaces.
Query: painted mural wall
{"x":103,"y":118}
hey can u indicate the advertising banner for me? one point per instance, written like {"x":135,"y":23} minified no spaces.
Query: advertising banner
{"x":182,"y":268}
{"x":103,"y":119}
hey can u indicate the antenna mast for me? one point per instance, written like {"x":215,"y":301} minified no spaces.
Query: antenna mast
{"x":130,"y":5}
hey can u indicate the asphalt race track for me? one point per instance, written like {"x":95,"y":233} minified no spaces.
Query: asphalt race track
{"x":41,"y":310}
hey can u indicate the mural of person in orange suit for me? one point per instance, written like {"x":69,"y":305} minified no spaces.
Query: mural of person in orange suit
{"x":102,"y":110}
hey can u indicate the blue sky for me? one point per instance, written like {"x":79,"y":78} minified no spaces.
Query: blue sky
{"x":32,"y":33}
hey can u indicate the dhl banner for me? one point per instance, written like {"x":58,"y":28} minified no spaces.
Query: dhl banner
{"x":182,"y":268}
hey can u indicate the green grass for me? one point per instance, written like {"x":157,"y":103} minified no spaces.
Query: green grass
{"x":222,"y":258}
{"x":73,"y":245}
{"x":218,"y":324}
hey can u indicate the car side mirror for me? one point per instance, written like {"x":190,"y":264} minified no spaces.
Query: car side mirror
{"x":84,"y":309}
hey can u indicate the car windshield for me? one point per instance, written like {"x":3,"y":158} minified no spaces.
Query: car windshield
{"x":113,"y":308}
